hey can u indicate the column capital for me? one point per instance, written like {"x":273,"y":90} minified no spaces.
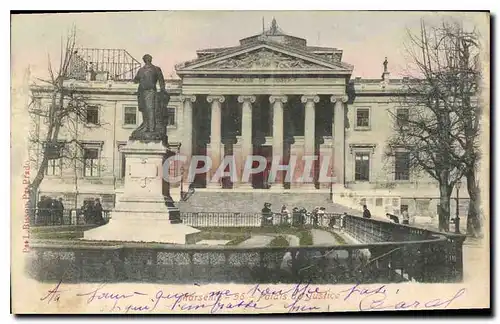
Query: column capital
{"x":220,"y":99}
{"x":343,"y":98}
{"x":273,"y":99}
{"x":191,"y":98}
{"x":242,"y":99}
{"x":312,"y":98}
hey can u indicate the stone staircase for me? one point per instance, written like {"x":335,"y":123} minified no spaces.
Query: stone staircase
{"x":253,"y":202}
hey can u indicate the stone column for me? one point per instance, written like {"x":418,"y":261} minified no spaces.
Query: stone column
{"x":246,"y":133}
{"x":309,"y":131}
{"x":277,"y":102}
{"x":187,"y":134}
{"x":338,"y":132}
{"x":215,"y":137}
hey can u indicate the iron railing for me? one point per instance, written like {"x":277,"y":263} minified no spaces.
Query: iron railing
{"x":66,"y":217}
{"x":118,"y":64}
{"x":387,"y":252}
{"x":227,"y":219}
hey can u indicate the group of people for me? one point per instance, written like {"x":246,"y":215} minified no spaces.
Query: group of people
{"x":404,"y":215}
{"x":299,"y":216}
{"x":92,"y":212}
{"x":50,"y":210}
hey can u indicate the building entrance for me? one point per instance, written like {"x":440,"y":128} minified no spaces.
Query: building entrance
{"x":260,"y":180}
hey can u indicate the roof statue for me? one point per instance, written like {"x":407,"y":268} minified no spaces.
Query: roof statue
{"x":385,"y":65}
{"x":274,"y":27}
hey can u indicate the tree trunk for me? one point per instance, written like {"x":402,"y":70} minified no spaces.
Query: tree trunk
{"x":474,"y":214}
{"x":33,"y":193}
{"x":444,"y":210}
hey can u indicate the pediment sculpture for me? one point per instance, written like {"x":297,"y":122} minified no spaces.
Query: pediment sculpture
{"x":264,"y":59}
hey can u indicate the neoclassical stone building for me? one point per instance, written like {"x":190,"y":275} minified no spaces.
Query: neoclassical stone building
{"x":271,"y":94}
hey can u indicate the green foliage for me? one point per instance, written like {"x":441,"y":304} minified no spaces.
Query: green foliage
{"x":305,"y":237}
{"x":279,"y":241}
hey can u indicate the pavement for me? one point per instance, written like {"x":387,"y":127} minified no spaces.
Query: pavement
{"x":321,"y":237}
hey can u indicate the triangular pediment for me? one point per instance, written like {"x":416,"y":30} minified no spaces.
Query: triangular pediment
{"x":263,"y":57}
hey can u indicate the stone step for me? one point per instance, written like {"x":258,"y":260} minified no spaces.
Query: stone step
{"x":253,"y":202}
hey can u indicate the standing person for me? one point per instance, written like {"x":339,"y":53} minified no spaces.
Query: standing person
{"x":406,"y":217}
{"x":303,"y":217}
{"x":59,"y":210}
{"x":52,"y":205}
{"x":320,"y":216}
{"x":42,"y":210}
{"x":267,"y":214}
{"x":295,"y":216}
{"x":286,"y":217}
{"x":342,"y":220}
{"x":87,"y":211}
{"x":314,"y":216}
{"x":366,"y":212}
{"x":98,"y":219}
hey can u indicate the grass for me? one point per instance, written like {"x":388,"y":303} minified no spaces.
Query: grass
{"x":235,"y":235}
{"x":304,"y":234}
{"x":238,"y":240}
{"x":305,"y":237}
{"x":217,"y":234}
{"x":279,"y":241}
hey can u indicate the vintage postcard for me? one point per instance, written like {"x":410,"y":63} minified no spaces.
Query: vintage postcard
{"x":249,"y":162}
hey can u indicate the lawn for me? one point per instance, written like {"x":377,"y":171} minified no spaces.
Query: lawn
{"x":235,"y":235}
{"x":279,"y":241}
{"x":304,"y":234}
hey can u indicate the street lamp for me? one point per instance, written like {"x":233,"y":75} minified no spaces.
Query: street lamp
{"x":457,"y":219}
{"x":182,"y":182}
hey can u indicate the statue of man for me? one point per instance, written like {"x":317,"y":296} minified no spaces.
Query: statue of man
{"x":149,"y":100}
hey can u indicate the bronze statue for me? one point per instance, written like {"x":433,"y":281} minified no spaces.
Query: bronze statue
{"x":151,"y":103}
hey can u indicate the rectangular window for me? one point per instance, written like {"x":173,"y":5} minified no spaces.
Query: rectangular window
{"x":362,"y":117}
{"x":402,"y":166}
{"x":170,"y":116}
{"x":130,"y":116}
{"x":362,"y":167}
{"x":91,"y":162}
{"x":54,"y":167}
{"x":379,"y":202}
{"x":402,"y":115}
{"x":92,"y":116}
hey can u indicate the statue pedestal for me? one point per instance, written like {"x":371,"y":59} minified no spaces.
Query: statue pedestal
{"x":142,"y":214}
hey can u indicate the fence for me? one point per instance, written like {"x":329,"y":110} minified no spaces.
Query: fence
{"x":50,"y":217}
{"x":226,"y":219}
{"x":388,"y":253}
{"x":53,"y":217}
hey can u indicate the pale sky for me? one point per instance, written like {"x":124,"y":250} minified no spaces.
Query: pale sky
{"x":172,"y":37}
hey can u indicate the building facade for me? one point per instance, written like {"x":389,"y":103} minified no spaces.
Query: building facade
{"x":270,"y":95}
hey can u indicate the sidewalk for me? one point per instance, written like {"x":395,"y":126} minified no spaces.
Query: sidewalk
{"x":476,"y":261}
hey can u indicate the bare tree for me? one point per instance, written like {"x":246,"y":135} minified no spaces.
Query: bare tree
{"x":440,"y":129}
{"x":55,"y":138}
